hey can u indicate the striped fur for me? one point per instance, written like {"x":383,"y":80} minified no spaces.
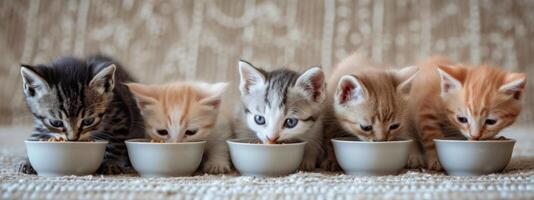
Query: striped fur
{"x":278,"y":97}
{"x":365,"y":102}
{"x":187,"y":112}
{"x":476,"y":102}
{"x":83,"y":99}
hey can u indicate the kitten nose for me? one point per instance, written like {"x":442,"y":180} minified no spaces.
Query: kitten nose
{"x":72,"y":137}
{"x":475,"y":137}
{"x":274,"y":139}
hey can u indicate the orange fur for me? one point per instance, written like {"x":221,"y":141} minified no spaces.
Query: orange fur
{"x":359,"y":96}
{"x":177,"y":107}
{"x":477,"y":94}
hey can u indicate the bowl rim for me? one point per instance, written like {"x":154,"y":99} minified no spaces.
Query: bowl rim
{"x":145,"y":142}
{"x":340,"y":140}
{"x":236,"y":141}
{"x":443,"y":140}
{"x":66,"y":142}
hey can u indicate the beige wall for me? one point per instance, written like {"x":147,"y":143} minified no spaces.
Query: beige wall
{"x":164,"y":40}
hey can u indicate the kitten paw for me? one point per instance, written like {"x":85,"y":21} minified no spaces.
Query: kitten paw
{"x":216,"y":167}
{"x":415,"y":161}
{"x":25,"y":167}
{"x":307,"y":165}
{"x":433,"y":164}
{"x":115,"y":167}
{"x":330,"y":165}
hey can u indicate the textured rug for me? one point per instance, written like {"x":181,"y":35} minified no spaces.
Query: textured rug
{"x":516,"y":182}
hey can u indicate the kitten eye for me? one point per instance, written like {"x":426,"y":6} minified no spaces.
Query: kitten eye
{"x":163,"y":132}
{"x":260,"y":120}
{"x":291,"y":122}
{"x":491,"y":121}
{"x":56,"y":123}
{"x":366,"y":128}
{"x":394,"y":126}
{"x":88,"y":121}
{"x":191,"y":132}
{"x":462,"y":120}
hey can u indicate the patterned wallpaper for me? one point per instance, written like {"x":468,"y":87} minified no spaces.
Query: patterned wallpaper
{"x":163,"y":40}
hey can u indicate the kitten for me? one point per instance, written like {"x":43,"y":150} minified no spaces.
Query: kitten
{"x":476,"y":102}
{"x":81,"y":100}
{"x":365,"y":102}
{"x":282,"y":106}
{"x":186,"y":112}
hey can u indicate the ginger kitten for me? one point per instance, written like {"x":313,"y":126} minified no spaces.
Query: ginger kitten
{"x":187,"y":112}
{"x":282,"y":106}
{"x":476,"y":102}
{"x":365,"y":102}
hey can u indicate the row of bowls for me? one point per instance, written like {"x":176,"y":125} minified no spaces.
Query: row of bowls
{"x":458,"y":157}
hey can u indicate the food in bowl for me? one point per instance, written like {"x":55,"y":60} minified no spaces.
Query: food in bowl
{"x":155,"y":159}
{"x":56,"y":139}
{"x":474,"y":157}
{"x":265,"y":160}
{"x":371,"y":158}
{"x":63,"y":158}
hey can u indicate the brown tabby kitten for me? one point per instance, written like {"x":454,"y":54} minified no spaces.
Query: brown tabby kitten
{"x":476,"y":102}
{"x":365,"y":102}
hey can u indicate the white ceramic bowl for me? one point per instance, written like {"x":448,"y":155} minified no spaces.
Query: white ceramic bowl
{"x":371,"y":158}
{"x":473,"y":158}
{"x":165,"y":159}
{"x":265,"y":160}
{"x":65,"y":158}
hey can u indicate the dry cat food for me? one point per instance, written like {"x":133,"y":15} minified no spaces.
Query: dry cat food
{"x":60,"y":139}
{"x":268,"y":142}
{"x":157,"y":141}
{"x":56,"y":139}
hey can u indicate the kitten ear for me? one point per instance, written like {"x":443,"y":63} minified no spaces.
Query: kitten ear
{"x":451,"y":78}
{"x":32,"y":82}
{"x":104,"y":80}
{"x":350,"y":88}
{"x":514,"y":84}
{"x":143,"y":94}
{"x":404,"y":78}
{"x":215,"y":95}
{"x":250,"y":77}
{"x":312,"y":82}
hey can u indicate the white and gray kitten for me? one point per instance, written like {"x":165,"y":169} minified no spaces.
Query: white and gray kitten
{"x":282,"y":106}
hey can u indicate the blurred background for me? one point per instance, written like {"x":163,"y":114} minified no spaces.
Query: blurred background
{"x":159,"y":41}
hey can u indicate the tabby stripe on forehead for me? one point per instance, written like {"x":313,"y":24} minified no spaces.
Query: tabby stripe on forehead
{"x":266,"y":97}
{"x":82,"y":97}
{"x":62,"y":101}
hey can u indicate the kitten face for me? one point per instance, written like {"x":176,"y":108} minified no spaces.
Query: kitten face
{"x":481,"y":101}
{"x":281,"y":105}
{"x":372,"y":107}
{"x":179,"y":112}
{"x":66,"y":101}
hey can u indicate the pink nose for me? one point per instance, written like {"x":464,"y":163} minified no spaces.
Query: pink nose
{"x":475,"y":137}
{"x":273,"y":140}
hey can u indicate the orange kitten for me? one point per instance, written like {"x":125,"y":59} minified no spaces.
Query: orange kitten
{"x":365,"y":102}
{"x":186,"y":112}
{"x":473,"y":101}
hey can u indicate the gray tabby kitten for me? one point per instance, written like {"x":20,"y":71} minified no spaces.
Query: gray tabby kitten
{"x":282,"y":106}
{"x":82,"y":100}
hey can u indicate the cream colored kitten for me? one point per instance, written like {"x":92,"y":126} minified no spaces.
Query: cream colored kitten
{"x":187,"y":112}
{"x":365,"y":102}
